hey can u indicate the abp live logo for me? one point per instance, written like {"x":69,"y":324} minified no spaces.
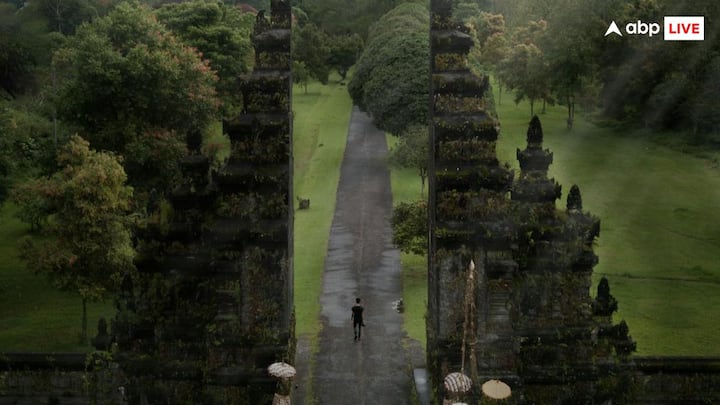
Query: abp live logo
{"x":684,"y":28}
{"x":676,"y":28}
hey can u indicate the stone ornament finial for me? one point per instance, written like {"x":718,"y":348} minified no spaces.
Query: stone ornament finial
{"x":535,"y":132}
{"x":605,"y":304}
{"x":574,"y":199}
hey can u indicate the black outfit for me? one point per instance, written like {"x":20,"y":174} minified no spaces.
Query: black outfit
{"x":357,"y":318}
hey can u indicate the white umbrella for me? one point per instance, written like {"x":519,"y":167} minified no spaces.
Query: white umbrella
{"x":496,"y":389}
{"x":281,"y":370}
{"x":457,"y":383}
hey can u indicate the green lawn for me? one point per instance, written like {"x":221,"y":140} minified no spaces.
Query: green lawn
{"x":33,"y":315}
{"x":660,"y":236}
{"x":320,"y":129}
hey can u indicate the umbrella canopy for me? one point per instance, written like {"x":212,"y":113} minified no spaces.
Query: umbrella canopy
{"x":457,"y":383}
{"x":281,"y":370}
{"x":496,"y":389}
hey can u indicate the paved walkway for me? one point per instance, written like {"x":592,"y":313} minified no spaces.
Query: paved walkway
{"x":361,"y":262}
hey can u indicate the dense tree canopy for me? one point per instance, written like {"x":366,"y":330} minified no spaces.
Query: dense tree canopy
{"x":390,"y":80}
{"x":220,"y":33}
{"x":129,"y":85}
{"x":346,"y":17}
{"x":636,"y":79}
{"x":16,"y":60}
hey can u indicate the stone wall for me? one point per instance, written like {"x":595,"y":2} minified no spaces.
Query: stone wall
{"x":59,"y":379}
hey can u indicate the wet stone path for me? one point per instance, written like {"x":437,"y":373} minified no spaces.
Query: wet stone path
{"x":361,"y":262}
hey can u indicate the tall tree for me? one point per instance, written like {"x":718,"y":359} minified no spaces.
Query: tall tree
{"x":525,"y":71}
{"x":344,"y":52}
{"x":221,"y":34}
{"x":86,"y":246}
{"x":390,"y":79}
{"x":17,"y":61}
{"x":410,"y":227}
{"x":310,"y":45}
{"x":413,"y":151}
{"x":129,"y":84}
{"x":301,"y":75}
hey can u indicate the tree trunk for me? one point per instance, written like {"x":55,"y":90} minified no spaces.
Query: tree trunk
{"x":571,"y":112}
{"x":544,"y":102}
{"x":499,"y":93}
{"x":423,"y":176}
{"x":54,"y":107}
{"x":83,"y":333}
{"x":532,"y":108}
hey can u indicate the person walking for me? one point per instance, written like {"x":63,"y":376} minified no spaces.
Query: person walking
{"x":357,"y":318}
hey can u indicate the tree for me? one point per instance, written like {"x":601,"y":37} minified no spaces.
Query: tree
{"x":410,"y":227}
{"x":16,"y":60}
{"x":64,"y":16}
{"x":310,"y":45}
{"x":301,"y":75}
{"x":569,"y":46}
{"x":344,"y":52}
{"x":24,"y":145}
{"x":86,"y":246}
{"x":524,"y":70}
{"x":390,"y":79}
{"x":125,"y":78}
{"x":221,"y":34}
{"x":491,"y":43}
{"x":413,"y":151}
{"x":340,"y":17}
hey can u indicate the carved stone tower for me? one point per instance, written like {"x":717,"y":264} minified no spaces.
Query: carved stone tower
{"x":523,"y":313}
{"x":213,"y":306}
{"x":468,"y":214}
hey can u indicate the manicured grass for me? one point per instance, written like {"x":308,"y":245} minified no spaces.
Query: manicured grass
{"x":321,"y":119}
{"x":33,"y":315}
{"x":660,"y":236}
{"x":406,"y":187}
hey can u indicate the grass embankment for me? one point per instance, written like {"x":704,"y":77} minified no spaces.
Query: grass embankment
{"x":320,"y":130}
{"x":660,"y":236}
{"x":406,"y":187}
{"x":34,"y":316}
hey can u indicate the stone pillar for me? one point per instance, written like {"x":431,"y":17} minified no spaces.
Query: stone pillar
{"x":468,"y":215}
{"x":252,"y":236}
